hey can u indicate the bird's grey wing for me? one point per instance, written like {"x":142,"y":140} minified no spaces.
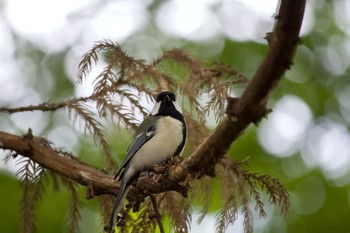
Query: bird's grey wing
{"x":139,"y":140}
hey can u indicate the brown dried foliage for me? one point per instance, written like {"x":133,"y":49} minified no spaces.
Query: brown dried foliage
{"x":116,"y":94}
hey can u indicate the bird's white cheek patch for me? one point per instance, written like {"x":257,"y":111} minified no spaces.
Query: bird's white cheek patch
{"x":155,"y":109}
{"x":177,"y":107}
{"x":162,"y":146}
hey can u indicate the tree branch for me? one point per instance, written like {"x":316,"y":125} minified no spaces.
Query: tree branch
{"x":28,"y":146}
{"x":45,"y":107}
{"x":250,"y":108}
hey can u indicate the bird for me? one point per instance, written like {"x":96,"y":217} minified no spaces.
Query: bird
{"x":159,"y":137}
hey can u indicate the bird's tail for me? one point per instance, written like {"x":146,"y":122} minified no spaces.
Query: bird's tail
{"x":123,"y":190}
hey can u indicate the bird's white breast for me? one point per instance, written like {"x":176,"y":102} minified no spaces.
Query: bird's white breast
{"x":161,"y":146}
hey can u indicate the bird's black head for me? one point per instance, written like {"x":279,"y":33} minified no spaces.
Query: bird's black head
{"x":166,"y":105}
{"x":166,"y":96}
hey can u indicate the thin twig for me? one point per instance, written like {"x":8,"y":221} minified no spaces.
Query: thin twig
{"x":158,"y":216}
{"x":45,"y":106}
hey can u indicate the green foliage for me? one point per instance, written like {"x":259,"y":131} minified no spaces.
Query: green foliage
{"x":11,"y":195}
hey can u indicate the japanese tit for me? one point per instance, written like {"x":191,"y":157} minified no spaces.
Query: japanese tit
{"x":159,"y":137}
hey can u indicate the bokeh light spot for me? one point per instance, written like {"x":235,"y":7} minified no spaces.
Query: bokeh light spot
{"x":328,"y":146}
{"x":282,"y":133}
{"x":188,"y":19}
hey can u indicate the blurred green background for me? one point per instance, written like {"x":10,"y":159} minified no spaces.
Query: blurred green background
{"x":305,"y":142}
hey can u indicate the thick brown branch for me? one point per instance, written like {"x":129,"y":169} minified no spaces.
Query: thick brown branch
{"x":250,"y":108}
{"x":100,"y":182}
{"x":97,"y":181}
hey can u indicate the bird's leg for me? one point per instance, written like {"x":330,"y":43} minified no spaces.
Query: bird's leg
{"x":159,"y":169}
